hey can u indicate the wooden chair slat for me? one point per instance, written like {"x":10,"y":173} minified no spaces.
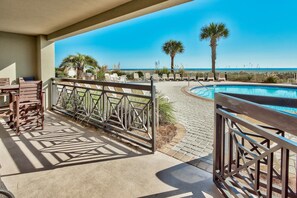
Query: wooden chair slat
{"x":30,"y":102}
{"x":4,"y":81}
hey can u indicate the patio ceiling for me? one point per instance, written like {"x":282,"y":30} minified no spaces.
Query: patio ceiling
{"x":59,"y":19}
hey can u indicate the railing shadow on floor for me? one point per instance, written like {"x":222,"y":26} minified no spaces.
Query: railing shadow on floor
{"x":63,"y":142}
{"x":188,"y":180}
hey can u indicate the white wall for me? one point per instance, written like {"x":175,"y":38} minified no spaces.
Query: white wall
{"x":45,"y":65}
{"x":18,"y":57}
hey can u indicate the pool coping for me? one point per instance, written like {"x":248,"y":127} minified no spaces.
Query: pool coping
{"x":187,"y":89}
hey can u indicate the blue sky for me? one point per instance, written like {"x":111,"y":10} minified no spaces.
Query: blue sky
{"x":262,"y":33}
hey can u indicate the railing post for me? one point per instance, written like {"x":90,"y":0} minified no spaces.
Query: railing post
{"x":53,"y":91}
{"x":74,"y":98}
{"x":153,"y":98}
{"x":218,"y":133}
{"x":104,"y":116}
{"x":157,"y":114}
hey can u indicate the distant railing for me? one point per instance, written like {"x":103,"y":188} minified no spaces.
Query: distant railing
{"x":125,"y":110}
{"x":254,"y":146}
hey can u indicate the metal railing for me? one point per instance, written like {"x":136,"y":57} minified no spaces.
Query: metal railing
{"x":254,"y":146}
{"x":125,"y":110}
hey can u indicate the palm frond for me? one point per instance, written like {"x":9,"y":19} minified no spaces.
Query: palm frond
{"x":79,"y":62}
{"x":173,"y":47}
{"x":214,"y":31}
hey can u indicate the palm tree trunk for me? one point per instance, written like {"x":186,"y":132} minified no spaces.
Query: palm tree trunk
{"x":79,"y":73}
{"x":213,"y":45}
{"x":172,"y":64}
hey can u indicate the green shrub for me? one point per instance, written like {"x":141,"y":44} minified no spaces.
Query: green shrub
{"x":240,"y":76}
{"x":118,"y":72}
{"x":130,"y":76}
{"x":101,"y":75}
{"x":60,"y":73}
{"x":181,"y":71}
{"x":91,"y":71}
{"x":270,"y":79}
{"x":162,"y":71}
{"x":166,"y":111}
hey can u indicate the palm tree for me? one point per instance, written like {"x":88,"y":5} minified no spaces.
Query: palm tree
{"x":172,"y":48}
{"x":214,"y":31}
{"x":79,"y":62}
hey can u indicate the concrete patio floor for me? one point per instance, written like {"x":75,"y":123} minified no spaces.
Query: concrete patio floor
{"x":69,"y":160}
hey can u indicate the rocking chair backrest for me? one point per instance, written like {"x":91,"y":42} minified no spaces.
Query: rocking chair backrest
{"x":4,"y":81}
{"x":30,"y":91}
{"x":147,"y":76}
{"x":136,"y":76}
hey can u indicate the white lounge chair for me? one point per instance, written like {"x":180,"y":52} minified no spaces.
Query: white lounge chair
{"x":177,"y":77}
{"x":210,"y":77}
{"x":123,"y":79}
{"x":222,"y":77}
{"x":171,"y":77}
{"x":185,"y":77}
{"x":136,"y":76}
{"x":114,"y":77}
{"x":147,"y":76}
{"x":164,"y":77}
{"x":156,"y":77}
{"x":193,"y":77}
{"x":200,"y":77}
{"x":107,"y":77}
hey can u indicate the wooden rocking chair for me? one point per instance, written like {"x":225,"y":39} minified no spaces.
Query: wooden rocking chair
{"x":28,"y":105}
{"x":4,"y":81}
{"x":4,"y":109}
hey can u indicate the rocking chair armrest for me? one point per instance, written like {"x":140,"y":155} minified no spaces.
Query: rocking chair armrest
{"x":13,"y":95}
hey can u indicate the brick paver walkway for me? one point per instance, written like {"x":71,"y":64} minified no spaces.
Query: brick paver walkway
{"x":197,"y":116}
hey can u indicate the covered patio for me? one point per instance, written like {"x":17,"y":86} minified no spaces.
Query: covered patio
{"x":68,"y":159}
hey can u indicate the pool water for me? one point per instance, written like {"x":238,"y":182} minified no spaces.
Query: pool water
{"x":261,"y":90}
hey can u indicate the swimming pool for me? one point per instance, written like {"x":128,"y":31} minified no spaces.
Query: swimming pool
{"x":261,"y":90}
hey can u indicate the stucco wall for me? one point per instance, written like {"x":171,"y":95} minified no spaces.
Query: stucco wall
{"x":45,"y":65}
{"x":18,"y":55}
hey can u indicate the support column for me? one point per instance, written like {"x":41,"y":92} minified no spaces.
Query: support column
{"x":45,"y":65}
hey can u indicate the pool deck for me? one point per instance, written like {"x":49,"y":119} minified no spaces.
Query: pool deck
{"x":196,"y":114}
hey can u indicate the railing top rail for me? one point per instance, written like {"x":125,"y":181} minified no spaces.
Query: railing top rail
{"x":109,"y":91}
{"x":267,"y":100}
{"x":246,"y":105}
{"x":111,"y":84}
{"x":261,"y":131}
